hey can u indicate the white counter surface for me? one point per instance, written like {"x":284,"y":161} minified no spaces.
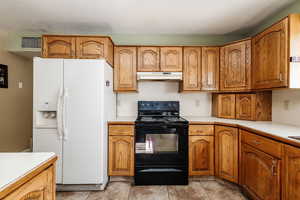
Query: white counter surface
{"x":272,"y":128}
{"x":14,"y":166}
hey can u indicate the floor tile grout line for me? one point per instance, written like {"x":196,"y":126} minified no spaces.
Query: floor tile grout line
{"x":168,"y":192}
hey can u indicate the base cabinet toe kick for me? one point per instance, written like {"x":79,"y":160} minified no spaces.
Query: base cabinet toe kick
{"x":265,"y":167}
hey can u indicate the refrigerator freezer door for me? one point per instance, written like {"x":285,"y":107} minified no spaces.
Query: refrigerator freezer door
{"x":48,"y":79}
{"x":46,"y":140}
{"x":82,"y":79}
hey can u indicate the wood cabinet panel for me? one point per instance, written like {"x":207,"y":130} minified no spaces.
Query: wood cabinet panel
{"x":260,"y":174}
{"x":224,"y":105}
{"x":148,"y":59}
{"x":235,"y":69}
{"x":201,"y":155}
{"x":245,"y":106}
{"x":192,"y":68}
{"x":121,"y":156}
{"x":201,"y":130}
{"x":227,"y":146}
{"x":264,"y":144}
{"x":171,"y":59}
{"x":125,"y":69}
{"x":270,"y":57}
{"x":38,"y":188}
{"x":121,"y":130}
{"x":90,"y":47}
{"x":58,"y":47}
{"x":291,"y":173}
{"x":210,"y":68}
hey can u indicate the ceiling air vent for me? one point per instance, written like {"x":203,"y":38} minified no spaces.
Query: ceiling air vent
{"x":31,"y":42}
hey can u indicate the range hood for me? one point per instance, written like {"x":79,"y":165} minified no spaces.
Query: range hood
{"x":159,"y":76}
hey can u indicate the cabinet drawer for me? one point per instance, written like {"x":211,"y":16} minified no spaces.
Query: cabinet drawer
{"x":121,"y":130}
{"x":266,"y":145}
{"x":201,"y":130}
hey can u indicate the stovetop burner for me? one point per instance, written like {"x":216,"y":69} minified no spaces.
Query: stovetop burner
{"x":165,"y":119}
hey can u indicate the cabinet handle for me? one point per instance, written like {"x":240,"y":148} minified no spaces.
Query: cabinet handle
{"x":274,"y":164}
{"x":280,"y":77}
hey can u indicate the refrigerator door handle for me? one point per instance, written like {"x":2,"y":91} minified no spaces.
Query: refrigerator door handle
{"x":59,"y":114}
{"x":64,"y":127}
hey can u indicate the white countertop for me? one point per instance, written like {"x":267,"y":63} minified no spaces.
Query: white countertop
{"x":14,"y":166}
{"x":272,"y":128}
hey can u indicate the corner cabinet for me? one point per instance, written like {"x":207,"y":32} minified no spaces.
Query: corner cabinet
{"x":235,"y":69}
{"x":59,"y":47}
{"x":191,"y":69}
{"x":227,"y":148}
{"x":148,"y":59}
{"x":121,"y":150}
{"x":125,"y":69}
{"x":291,"y":176}
{"x":270,"y":57}
{"x":171,"y":59}
{"x":210,"y":68}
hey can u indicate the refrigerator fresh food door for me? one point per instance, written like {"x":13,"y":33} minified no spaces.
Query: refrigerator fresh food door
{"x":47,"y":140}
{"x":82,"y":121}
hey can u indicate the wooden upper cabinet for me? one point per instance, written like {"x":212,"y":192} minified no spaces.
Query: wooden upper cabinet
{"x":125,"y":69}
{"x":245,"y":106}
{"x":210,"y":68}
{"x":270,"y":57}
{"x":192,"y":68}
{"x":121,"y":156}
{"x":235,"y":69}
{"x":291,"y":176}
{"x":224,"y":105}
{"x":260,"y":174}
{"x":227,"y":153}
{"x":92,"y":47}
{"x":171,"y":59}
{"x":59,"y":47}
{"x":201,"y":155}
{"x":148,"y":59}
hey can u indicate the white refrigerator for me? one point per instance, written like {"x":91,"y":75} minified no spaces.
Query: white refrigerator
{"x":72,"y":102}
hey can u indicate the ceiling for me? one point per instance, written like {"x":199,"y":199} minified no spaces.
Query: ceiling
{"x":201,"y":17}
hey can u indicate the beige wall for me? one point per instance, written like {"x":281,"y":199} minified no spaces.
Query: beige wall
{"x":191,"y":103}
{"x":15,"y":103}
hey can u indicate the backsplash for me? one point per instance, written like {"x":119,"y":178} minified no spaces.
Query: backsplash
{"x":191,"y":103}
{"x":286,"y":107}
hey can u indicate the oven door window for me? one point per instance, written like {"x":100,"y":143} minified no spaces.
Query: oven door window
{"x":158,"y":143}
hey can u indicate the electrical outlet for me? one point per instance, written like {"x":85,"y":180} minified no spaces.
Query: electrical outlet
{"x":286,"y":104}
{"x":20,"y":84}
{"x":197,"y":103}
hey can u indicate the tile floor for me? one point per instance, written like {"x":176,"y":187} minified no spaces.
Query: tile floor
{"x":196,"y":190}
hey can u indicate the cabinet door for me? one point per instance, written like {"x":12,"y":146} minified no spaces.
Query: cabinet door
{"x":171,"y":59}
{"x":245,"y":106}
{"x":226,"y":106}
{"x":260,"y":174}
{"x":58,"y":47}
{"x":227,"y":153}
{"x":192,"y":68}
{"x":125,"y":69}
{"x":148,"y":59}
{"x":270,"y":57}
{"x":121,"y":156}
{"x":291,"y":176}
{"x":201,"y":155}
{"x":41,"y":187}
{"x":210,"y":68}
{"x":235,"y":66}
{"x":90,"y":47}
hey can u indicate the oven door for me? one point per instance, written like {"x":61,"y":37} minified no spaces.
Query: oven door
{"x":161,"y":145}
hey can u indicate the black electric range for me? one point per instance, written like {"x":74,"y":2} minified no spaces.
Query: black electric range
{"x":161,"y":144}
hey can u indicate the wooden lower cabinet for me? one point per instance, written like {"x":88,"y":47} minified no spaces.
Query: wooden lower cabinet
{"x":121,"y":156}
{"x":260,"y":174}
{"x":291,"y":175}
{"x":40,"y":187}
{"x":227,"y":147}
{"x":201,"y":155}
